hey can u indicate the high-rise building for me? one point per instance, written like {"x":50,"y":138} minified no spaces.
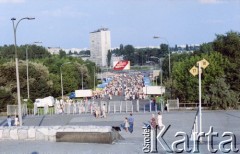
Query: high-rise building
{"x":100,"y":43}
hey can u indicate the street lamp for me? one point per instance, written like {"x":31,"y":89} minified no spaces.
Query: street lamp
{"x":61,"y":76}
{"x":169,"y":54}
{"x":160,"y":63}
{"x":27,"y":68}
{"x":94,"y":77}
{"x":17,"y":73}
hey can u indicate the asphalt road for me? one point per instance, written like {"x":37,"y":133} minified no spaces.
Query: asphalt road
{"x":221,"y":121}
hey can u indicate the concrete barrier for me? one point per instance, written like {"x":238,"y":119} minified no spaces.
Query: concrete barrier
{"x":82,"y":134}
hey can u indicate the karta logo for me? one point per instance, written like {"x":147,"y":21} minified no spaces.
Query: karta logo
{"x":152,"y":139}
{"x":121,"y":65}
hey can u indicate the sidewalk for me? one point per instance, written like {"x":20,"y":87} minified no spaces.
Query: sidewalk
{"x":133,"y":143}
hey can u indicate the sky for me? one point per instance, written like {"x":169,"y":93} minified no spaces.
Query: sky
{"x":67,"y":23}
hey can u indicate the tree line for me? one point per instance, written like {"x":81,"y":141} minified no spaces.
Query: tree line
{"x":220,"y":80}
{"x":44,"y":74}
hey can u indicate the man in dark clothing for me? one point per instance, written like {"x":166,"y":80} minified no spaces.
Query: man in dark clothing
{"x":131,"y":122}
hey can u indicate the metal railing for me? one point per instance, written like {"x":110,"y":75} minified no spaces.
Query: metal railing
{"x":195,"y":127}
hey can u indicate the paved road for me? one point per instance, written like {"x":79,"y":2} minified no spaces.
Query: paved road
{"x":179,"y":121}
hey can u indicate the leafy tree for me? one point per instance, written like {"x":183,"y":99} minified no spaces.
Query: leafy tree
{"x":39,"y":83}
{"x":229,"y":46}
{"x":129,"y":53}
{"x":220,"y":95}
{"x":187,"y":47}
{"x":164,"y":50}
{"x":109,"y":56}
{"x":62,"y":53}
{"x":6,"y":98}
{"x":185,"y":84}
{"x":175,"y":48}
{"x":204,"y":48}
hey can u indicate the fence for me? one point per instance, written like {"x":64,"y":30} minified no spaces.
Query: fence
{"x":173,"y":104}
{"x":120,"y":106}
{"x":13,"y":109}
{"x":90,"y":106}
{"x":195,"y":127}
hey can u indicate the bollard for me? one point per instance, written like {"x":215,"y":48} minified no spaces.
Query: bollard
{"x":114,"y":108}
{"x":162,"y":106}
{"x":150,"y":107}
{"x":121,"y":107}
{"x":137,"y":105}
{"x":126,"y":106}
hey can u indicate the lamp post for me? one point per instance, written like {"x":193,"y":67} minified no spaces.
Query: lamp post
{"x":61,"y":76}
{"x":169,"y":54}
{"x":82,"y":79}
{"x":17,"y":73}
{"x":27,"y":69}
{"x":94,"y":88}
{"x":160,"y":63}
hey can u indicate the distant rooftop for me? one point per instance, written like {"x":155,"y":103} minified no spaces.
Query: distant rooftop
{"x":99,"y":30}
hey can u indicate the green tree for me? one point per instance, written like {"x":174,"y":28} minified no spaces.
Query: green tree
{"x":129,"y":53}
{"x":109,"y":56}
{"x":62,"y":54}
{"x":220,"y":96}
{"x":229,"y":46}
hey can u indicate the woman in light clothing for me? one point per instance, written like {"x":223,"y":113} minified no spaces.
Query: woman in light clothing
{"x":16,"y":122}
{"x":159,"y":117}
{"x":126,"y":124}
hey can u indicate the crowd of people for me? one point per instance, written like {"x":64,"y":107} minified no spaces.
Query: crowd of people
{"x":128,"y":85}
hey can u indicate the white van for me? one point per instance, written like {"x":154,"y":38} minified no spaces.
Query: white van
{"x":41,"y":102}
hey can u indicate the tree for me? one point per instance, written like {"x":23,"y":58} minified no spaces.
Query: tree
{"x":175,"y":48}
{"x":62,"y":54}
{"x":164,"y":50}
{"x":128,"y":52}
{"x":220,"y":95}
{"x":39,"y":82}
{"x":185,"y":84}
{"x":187,"y":47}
{"x":109,"y":56}
{"x":229,"y":46}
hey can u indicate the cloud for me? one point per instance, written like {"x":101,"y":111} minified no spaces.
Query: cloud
{"x":215,"y":21}
{"x":64,"y":12}
{"x":210,"y":1}
{"x":12,"y":1}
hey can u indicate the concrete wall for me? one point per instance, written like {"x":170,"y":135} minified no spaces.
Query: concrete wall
{"x":48,"y":133}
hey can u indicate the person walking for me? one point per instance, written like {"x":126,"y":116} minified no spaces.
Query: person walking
{"x":126,"y":124}
{"x":159,"y":119}
{"x":9,"y":121}
{"x":131,"y":122}
{"x":104,"y":111}
{"x":153,"y":122}
{"x":16,"y":122}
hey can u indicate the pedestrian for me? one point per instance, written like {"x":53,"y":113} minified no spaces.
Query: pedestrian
{"x":153,"y":122}
{"x":104,"y":111}
{"x":9,"y":121}
{"x":159,"y":119}
{"x":126,"y":124}
{"x":131,"y":122}
{"x":154,"y":102}
{"x":16,"y":122}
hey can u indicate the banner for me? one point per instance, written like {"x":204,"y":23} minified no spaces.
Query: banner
{"x":121,"y":65}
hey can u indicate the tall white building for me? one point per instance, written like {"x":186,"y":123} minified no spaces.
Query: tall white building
{"x":100,"y":43}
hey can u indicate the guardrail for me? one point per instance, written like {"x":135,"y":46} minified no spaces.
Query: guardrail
{"x":195,"y":127}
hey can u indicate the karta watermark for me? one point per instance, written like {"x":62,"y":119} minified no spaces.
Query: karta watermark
{"x":152,"y":139}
